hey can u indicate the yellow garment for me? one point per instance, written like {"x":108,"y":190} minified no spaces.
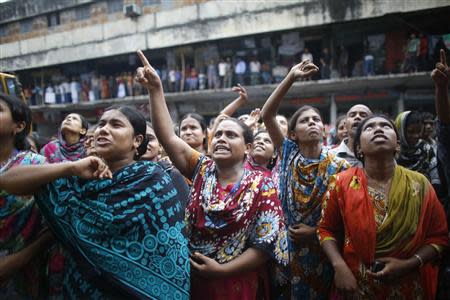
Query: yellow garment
{"x":405,"y":202}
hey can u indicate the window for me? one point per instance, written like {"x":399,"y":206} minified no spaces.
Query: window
{"x":3,"y":30}
{"x":26,"y":26}
{"x":115,"y":6}
{"x":53,"y":19}
{"x":151,"y":2}
{"x":83,"y":13}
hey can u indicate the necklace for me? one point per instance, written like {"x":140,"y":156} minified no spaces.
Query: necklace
{"x":382,"y":188}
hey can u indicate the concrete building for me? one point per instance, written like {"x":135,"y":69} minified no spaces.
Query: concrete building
{"x":45,"y":41}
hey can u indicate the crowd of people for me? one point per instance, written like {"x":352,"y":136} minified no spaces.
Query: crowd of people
{"x":226,"y":71}
{"x":256,"y":206}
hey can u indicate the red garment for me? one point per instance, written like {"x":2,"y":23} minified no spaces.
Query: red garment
{"x":223,"y":222}
{"x":349,"y":213}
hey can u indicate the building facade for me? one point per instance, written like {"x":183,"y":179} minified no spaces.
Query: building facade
{"x":48,"y":43}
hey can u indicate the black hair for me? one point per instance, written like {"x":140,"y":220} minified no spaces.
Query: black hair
{"x":357,"y":141}
{"x":427,"y":116}
{"x":414,"y":117}
{"x":202,"y":123}
{"x":273,"y":160}
{"x":296,"y":115}
{"x":138,"y":123}
{"x":336,"y":127}
{"x":247,"y":132}
{"x":20,"y":112}
{"x":84,"y":123}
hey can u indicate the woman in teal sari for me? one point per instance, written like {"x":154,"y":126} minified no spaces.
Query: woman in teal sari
{"x":120,"y":218}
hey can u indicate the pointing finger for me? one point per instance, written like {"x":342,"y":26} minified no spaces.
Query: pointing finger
{"x":443,"y":58}
{"x":143,"y":58}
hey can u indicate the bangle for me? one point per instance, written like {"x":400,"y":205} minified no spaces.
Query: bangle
{"x":419,"y":259}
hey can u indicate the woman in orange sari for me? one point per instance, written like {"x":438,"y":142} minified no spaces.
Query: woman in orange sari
{"x":382,"y":225}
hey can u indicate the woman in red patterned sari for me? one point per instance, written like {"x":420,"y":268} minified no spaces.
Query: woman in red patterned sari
{"x":382,"y":225}
{"x":234,"y":218}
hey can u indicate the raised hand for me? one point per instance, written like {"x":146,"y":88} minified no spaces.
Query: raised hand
{"x":147,"y":75}
{"x":253,"y":119}
{"x":242,"y":92}
{"x":441,"y":73}
{"x":304,"y":70}
{"x":91,"y":168}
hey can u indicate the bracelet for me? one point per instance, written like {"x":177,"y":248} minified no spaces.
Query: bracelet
{"x":420,"y":260}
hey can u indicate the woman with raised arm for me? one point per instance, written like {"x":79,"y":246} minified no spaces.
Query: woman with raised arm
{"x":23,"y":239}
{"x":306,"y":169}
{"x":382,"y":225}
{"x":120,"y":218}
{"x":70,"y":143}
{"x":234,"y":218}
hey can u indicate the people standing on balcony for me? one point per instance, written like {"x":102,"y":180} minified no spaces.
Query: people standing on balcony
{"x":325,"y":64}
{"x":240,"y":69}
{"x":222,"y":68}
{"x":411,"y":53}
{"x":112,"y":83}
{"x":416,"y":154}
{"x":202,"y":80}
{"x":212,"y":75}
{"x":95,"y":86}
{"x":343,"y":61}
{"x":75,"y":89}
{"x":85,"y":88}
{"x":105,"y":88}
{"x":65,"y":87}
{"x":234,"y":219}
{"x":255,"y":71}
{"x":120,"y":217}
{"x":191,"y":79}
{"x":355,"y":115}
{"x":172,"y":80}
{"x":266,"y":73}
{"x":178,"y":78}
{"x":306,"y":171}
{"x":422,"y":56}
{"x":23,"y":237}
{"x":369,"y":64}
{"x":279,"y":72}
{"x":382,"y":225}
{"x":58,"y":97}
{"x":121,"y":91}
{"x":228,"y":74}
{"x":50,"y":94}
{"x":164,"y":77}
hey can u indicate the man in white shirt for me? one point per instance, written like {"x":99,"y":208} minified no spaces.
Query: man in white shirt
{"x":355,"y":115}
{"x":255,"y":69}
{"x":240,"y":70}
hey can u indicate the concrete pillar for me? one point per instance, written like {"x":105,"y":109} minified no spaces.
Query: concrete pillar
{"x":333,"y":110}
{"x":400,"y":103}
